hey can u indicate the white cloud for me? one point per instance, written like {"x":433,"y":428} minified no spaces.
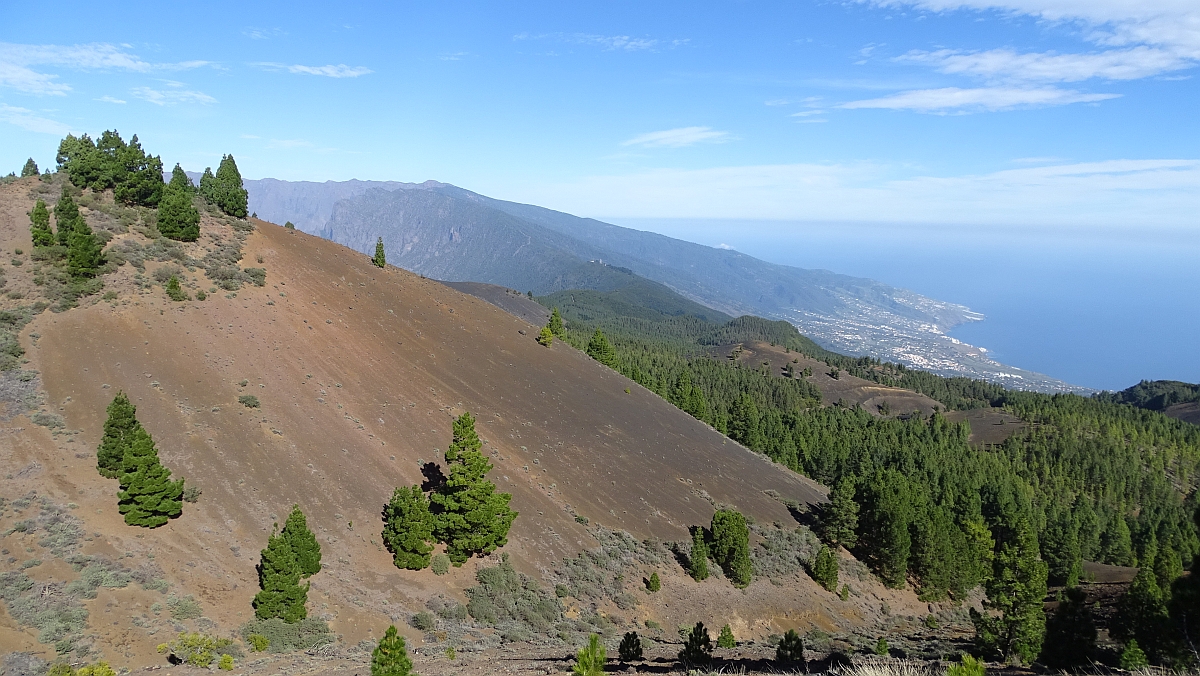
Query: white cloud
{"x":624,"y":43}
{"x":678,"y":138}
{"x":29,"y":121}
{"x":173,"y":94}
{"x":454,"y":56}
{"x":1159,"y":193}
{"x":110,"y":99}
{"x":1006,"y":65}
{"x":17,"y":61}
{"x":263,"y":33}
{"x":948,"y":99}
{"x":338,"y":71}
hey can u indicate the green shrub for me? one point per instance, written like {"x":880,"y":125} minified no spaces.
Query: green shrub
{"x":257,"y":275}
{"x":881,"y":647}
{"x":590,"y":659}
{"x":440,"y":564}
{"x":192,"y":493}
{"x":258,"y":642}
{"x":969,"y":666}
{"x":422,"y":620}
{"x":226,"y":663}
{"x":186,"y":608}
{"x":512,"y":602}
{"x":283,"y":637}
{"x":195,"y":649}
{"x":248,"y":400}
{"x":57,"y":616}
{"x":651,"y":624}
{"x":174,"y":291}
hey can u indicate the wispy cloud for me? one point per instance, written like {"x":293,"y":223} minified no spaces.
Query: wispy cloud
{"x":454,"y":56}
{"x":263,"y":33}
{"x":173,"y":94}
{"x":110,"y":99}
{"x":1159,"y":193}
{"x":678,"y":138}
{"x":1006,"y":65}
{"x":623,"y":43}
{"x":30,"y":121}
{"x":954,"y":99}
{"x":17,"y":63}
{"x":338,"y":71}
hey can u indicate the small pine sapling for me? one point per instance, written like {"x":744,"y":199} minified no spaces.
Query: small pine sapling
{"x":725,"y":639}
{"x":545,"y":337}
{"x":591,"y":658}
{"x":697,"y":649}
{"x":969,"y":666}
{"x":630,"y":649}
{"x":654,"y":583}
{"x":698,"y":559}
{"x":380,"y":258}
{"x":1133,"y":657}
{"x":790,"y":649}
{"x":174,"y":291}
{"x":390,"y":657}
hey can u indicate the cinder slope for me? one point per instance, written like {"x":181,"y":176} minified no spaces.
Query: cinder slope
{"x":358,"y":373}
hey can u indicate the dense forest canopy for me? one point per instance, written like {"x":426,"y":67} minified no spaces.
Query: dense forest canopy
{"x":1094,"y":479}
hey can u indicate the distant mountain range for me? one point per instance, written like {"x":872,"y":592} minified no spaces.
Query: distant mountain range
{"x":448,"y":233}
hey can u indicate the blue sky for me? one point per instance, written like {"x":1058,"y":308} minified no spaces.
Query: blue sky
{"x":1044,"y":113}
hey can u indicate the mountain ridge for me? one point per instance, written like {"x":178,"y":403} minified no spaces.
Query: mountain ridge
{"x":543,"y":250}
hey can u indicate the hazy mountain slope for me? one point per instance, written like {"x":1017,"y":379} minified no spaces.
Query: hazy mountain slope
{"x":464,"y":236}
{"x":306,"y":204}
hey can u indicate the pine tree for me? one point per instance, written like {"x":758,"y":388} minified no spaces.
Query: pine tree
{"x":174,"y":291}
{"x":825,"y":568}
{"x":148,"y":497}
{"x":1132,"y":657}
{"x":178,"y":219}
{"x":630,"y":649}
{"x":39,"y":229}
{"x":84,"y":255}
{"x":887,"y":516}
{"x":1142,"y":615}
{"x":556,"y":325}
{"x":1116,"y":546}
{"x":231,"y":195}
{"x":66,"y":213}
{"x":408,"y":528}
{"x":137,"y":177}
{"x":380,"y":258}
{"x":839,"y":518}
{"x":1070,"y":632}
{"x":30,"y":168}
{"x":281,"y":595}
{"x":746,"y":425}
{"x":471,"y":518}
{"x":208,"y":186}
{"x":1015,"y":593}
{"x":654,"y":583}
{"x":390,"y":657}
{"x":118,"y":434}
{"x":545,"y":337}
{"x":1060,"y":547}
{"x":598,"y":348}
{"x":790,"y":648}
{"x":698,"y":559}
{"x":731,"y":545}
{"x":591,"y":658}
{"x":725,"y":638}
{"x":1167,"y":569}
{"x":697,"y":649}
{"x":303,"y":543}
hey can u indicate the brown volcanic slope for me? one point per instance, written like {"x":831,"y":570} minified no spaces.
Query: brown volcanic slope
{"x":358,"y":372}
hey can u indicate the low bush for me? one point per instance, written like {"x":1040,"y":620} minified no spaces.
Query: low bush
{"x":283,"y":637}
{"x":514,"y":603}
{"x":248,"y":400}
{"x":195,"y":649}
{"x":58,"y":616}
{"x":185,"y":608}
{"x":440,"y":564}
{"x":422,"y":620}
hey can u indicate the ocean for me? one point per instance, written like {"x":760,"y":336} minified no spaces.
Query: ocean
{"x":1098,"y":308}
